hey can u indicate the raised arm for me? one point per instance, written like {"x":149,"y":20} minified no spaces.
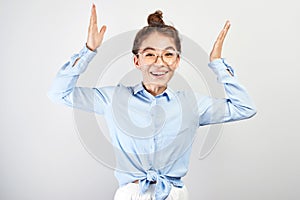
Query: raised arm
{"x":95,"y":37}
{"x":237,"y":105}
{"x":64,"y":90}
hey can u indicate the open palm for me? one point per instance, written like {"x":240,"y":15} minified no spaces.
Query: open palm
{"x":95,"y":37}
{"x":217,"y":48}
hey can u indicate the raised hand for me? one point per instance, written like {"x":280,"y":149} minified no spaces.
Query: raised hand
{"x":95,"y":37}
{"x":217,"y":48}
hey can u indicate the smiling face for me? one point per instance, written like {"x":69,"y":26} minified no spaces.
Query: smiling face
{"x":162,"y":70}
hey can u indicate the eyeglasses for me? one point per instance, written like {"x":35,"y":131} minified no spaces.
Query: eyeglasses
{"x":150,"y":56}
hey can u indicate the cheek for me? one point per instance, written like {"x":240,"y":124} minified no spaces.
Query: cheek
{"x":144,"y":69}
{"x":173,"y":67}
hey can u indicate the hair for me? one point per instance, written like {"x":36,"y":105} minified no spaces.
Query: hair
{"x":156,"y":24}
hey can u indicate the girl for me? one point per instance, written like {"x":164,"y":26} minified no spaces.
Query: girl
{"x":151,"y":126}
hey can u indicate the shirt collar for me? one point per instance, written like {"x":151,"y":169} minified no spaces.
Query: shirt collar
{"x":168,"y":92}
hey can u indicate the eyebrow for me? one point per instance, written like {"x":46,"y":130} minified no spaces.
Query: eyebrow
{"x":151,"y":48}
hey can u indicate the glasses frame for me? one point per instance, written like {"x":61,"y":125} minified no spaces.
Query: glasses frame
{"x":160,"y":55}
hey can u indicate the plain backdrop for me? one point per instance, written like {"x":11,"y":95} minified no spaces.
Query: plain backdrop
{"x":41,"y":156}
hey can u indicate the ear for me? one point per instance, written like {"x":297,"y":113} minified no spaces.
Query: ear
{"x":136,"y":62}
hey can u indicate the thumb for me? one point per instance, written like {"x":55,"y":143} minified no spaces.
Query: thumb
{"x":102,"y":31}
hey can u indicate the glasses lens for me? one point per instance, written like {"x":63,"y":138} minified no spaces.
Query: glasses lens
{"x":149,"y":57}
{"x":169,"y":57}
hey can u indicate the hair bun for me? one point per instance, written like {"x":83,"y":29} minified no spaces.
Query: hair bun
{"x":155,"y":19}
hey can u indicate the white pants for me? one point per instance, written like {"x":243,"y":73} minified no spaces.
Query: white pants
{"x":131,"y":191}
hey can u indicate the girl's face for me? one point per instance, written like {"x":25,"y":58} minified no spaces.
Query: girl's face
{"x":157,"y":59}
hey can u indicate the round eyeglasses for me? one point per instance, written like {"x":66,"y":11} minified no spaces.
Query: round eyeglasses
{"x":150,"y":56}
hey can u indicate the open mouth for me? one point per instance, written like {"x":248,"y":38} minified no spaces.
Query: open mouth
{"x":158,"y":74}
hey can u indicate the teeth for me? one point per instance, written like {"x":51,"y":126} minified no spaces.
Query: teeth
{"x":158,"y":73}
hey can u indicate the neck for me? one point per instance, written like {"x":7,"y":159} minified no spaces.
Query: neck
{"x":155,"y":89}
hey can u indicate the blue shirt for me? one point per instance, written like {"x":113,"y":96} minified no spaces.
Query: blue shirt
{"x":152,"y":135}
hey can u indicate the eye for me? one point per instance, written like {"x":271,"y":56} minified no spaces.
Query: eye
{"x":149,"y":54}
{"x":169,"y":54}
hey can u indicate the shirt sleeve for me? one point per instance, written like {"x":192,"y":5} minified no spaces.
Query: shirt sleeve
{"x":236,"y":106}
{"x":63,"y":89}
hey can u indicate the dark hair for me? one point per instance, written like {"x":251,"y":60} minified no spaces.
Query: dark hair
{"x":156,"y":24}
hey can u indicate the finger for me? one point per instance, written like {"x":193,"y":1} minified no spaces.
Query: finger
{"x":220,"y":36}
{"x":225,"y":30}
{"x":227,"y":23}
{"x":101,"y":35}
{"x":93,"y":19}
{"x":219,"y":42}
{"x":102,"y":31}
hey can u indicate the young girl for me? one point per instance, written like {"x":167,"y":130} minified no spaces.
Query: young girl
{"x":151,"y":126}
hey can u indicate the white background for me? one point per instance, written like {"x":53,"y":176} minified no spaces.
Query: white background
{"x":41,"y":156}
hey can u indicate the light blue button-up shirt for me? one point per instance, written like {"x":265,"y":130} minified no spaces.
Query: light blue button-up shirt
{"x":152,"y":135}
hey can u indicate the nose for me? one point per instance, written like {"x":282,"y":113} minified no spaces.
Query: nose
{"x":159,"y":60}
